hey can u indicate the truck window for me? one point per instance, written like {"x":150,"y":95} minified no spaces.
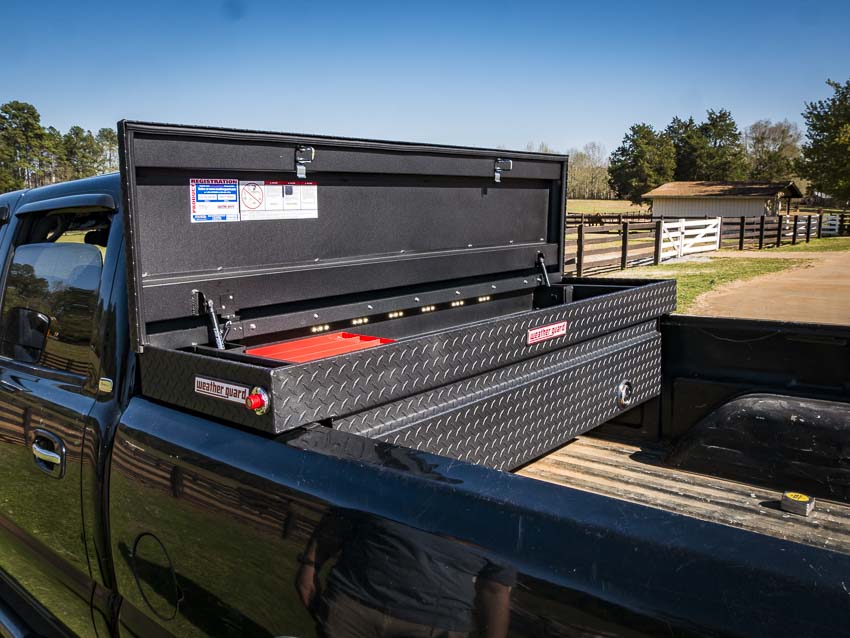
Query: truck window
{"x":51,"y":293}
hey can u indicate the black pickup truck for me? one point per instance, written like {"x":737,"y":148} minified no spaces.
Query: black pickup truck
{"x":272,"y":385}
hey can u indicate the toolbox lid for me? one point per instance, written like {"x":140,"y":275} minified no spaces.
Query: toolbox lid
{"x":257,"y":220}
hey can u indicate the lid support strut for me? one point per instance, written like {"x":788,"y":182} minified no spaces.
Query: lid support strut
{"x":541,"y":262}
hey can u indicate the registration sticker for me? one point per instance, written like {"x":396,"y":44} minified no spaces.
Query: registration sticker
{"x":223,"y":390}
{"x":536,"y":335}
{"x":214,"y":200}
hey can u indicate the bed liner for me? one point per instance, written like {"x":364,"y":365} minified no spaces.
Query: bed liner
{"x":638,"y":474}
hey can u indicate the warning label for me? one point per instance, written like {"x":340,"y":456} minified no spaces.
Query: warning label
{"x":251,"y":196}
{"x":214,"y":200}
{"x":229,"y":200}
{"x":278,"y":200}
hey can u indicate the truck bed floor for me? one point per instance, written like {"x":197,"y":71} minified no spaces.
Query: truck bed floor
{"x":638,"y":474}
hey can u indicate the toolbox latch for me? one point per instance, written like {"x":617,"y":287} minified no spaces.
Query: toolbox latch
{"x":501,"y":166}
{"x":303,"y":156}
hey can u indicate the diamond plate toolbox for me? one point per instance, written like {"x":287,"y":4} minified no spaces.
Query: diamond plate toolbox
{"x":343,"y":388}
{"x":507,"y":417}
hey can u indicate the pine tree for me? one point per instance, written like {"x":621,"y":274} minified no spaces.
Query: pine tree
{"x":82,"y":153}
{"x":644,"y":160}
{"x":826,"y":153}
{"x":723,"y":158}
{"x":21,"y":142}
{"x":690,"y":144}
{"x":107,"y":140}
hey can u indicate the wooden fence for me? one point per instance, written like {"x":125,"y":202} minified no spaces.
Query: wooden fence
{"x":612,"y":246}
{"x":756,"y":233}
{"x":593,"y":248}
{"x":605,"y":219}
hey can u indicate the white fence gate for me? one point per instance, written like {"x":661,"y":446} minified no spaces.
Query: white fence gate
{"x":689,"y":236}
{"x":789,"y":230}
{"x":831,"y":225}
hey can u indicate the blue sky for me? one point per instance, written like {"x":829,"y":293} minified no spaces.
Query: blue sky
{"x":478,"y":73}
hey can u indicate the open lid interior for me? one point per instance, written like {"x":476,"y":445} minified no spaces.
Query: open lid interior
{"x":263,"y":220}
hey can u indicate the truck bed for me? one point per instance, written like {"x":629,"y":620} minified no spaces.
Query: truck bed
{"x":638,"y":474}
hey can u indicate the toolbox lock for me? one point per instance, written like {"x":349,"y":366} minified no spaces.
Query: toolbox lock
{"x":501,"y":166}
{"x":257,"y":401}
{"x":625,"y":394}
{"x":303,"y":156}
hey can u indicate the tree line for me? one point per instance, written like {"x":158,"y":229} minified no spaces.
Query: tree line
{"x":587,"y":170}
{"x":32,"y":154}
{"x":717,"y":150}
{"x":714,"y":149}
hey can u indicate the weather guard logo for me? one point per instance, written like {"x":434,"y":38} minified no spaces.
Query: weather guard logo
{"x":221,"y":390}
{"x":536,"y":335}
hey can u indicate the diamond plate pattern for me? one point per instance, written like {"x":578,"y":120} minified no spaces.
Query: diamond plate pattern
{"x":340,"y":386}
{"x":350,"y":383}
{"x":506,"y":418}
{"x":384,"y":420}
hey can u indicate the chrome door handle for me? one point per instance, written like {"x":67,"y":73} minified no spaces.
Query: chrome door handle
{"x":45,"y":455}
{"x":48,"y":452}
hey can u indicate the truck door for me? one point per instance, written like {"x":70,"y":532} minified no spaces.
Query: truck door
{"x":48,"y":382}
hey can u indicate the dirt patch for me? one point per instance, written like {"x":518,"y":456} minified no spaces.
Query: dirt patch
{"x":817,"y":292}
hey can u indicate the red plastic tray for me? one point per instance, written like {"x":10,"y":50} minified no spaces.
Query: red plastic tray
{"x":318,"y":347}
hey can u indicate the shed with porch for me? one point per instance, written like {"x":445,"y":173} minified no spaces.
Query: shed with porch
{"x":722,"y":199}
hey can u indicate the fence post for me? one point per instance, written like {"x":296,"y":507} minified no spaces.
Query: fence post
{"x":779,"y":228}
{"x":820,"y":225}
{"x":741,"y":238}
{"x":624,"y":256}
{"x":794,"y":235}
{"x":761,"y":232}
{"x":808,"y":228}
{"x":659,"y":232}
{"x":580,"y":250}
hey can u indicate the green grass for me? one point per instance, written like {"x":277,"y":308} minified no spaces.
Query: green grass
{"x":816,"y":209}
{"x":827,"y":244}
{"x":607,"y":206}
{"x":697,"y":277}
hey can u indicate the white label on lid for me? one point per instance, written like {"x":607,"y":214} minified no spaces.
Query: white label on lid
{"x":263,"y":200}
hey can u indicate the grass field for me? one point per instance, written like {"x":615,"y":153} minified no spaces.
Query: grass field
{"x":697,"y":277}
{"x":815,"y":209}
{"x":827,"y":244}
{"x":609,"y":206}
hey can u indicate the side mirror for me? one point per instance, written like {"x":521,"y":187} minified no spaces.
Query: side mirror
{"x":25,"y":335}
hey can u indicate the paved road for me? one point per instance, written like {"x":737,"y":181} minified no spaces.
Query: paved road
{"x":817,"y":293}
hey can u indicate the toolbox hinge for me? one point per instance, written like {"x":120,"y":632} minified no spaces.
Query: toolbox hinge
{"x":501,"y":166}
{"x":303,"y":156}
